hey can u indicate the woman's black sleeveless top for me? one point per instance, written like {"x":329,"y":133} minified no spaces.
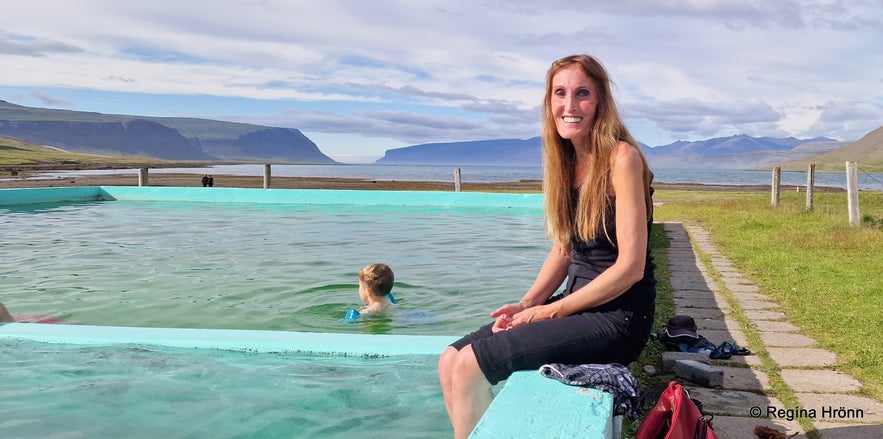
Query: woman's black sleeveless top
{"x":589,"y":259}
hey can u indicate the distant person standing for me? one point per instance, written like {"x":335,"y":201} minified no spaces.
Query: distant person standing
{"x":211,"y":181}
{"x":205,"y":180}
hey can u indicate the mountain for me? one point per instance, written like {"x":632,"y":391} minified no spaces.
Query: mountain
{"x":172,"y":138}
{"x":735,"y":152}
{"x":509,"y":152}
{"x":867,"y":152}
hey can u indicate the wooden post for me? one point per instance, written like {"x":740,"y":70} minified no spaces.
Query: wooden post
{"x":852,"y":194}
{"x":810,"y":181}
{"x":457,"y":179}
{"x":142,"y":177}
{"x":777,"y":178}
{"x":266,"y":176}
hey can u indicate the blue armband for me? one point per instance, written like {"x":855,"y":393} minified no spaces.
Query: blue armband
{"x":351,"y":315}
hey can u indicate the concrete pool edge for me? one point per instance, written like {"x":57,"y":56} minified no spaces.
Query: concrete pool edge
{"x":264,"y":341}
{"x":22,"y":196}
{"x":577,"y":412}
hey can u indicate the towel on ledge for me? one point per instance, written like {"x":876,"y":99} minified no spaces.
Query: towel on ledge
{"x":616,"y":379}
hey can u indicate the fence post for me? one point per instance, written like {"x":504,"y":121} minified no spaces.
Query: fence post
{"x":852,"y":194}
{"x":777,"y":178}
{"x":457,"y":179}
{"x":142,"y":177}
{"x":266,"y":176}
{"x":810,"y":182}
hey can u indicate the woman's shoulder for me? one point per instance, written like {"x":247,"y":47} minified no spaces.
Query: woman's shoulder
{"x":626,"y":156}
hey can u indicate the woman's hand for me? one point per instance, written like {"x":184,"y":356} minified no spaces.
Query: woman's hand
{"x":512,"y":315}
{"x":504,"y":315}
{"x":534,"y":314}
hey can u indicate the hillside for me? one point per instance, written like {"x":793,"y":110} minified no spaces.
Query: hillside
{"x":509,"y":152}
{"x":867,"y":152}
{"x":15,"y":152}
{"x":734,"y":152}
{"x":168,"y":138}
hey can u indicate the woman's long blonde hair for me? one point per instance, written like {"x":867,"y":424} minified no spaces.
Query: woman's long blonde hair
{"x":563,"y":220}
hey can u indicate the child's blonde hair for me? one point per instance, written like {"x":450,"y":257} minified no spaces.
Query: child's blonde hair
{"x":377,"y":278}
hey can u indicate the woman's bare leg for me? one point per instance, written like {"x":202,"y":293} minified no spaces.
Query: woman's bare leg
{"x":467,"y":392}
{"x":445,"y":371}
{"x":4,"y":315}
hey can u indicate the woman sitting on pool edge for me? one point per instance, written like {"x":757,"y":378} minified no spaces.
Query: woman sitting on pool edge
{"x":598,"y":211}
{"x":375,"y":286}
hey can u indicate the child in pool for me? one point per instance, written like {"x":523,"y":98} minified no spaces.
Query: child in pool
{"x":375,"y":284}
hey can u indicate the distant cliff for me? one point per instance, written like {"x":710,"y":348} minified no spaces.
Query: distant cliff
{"x":735,"y":152}
{"x":510,"y":152}
{"x":136,"y":137}
{"x":160,"y":137}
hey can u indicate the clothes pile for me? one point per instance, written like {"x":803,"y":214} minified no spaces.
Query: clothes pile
{"x":616,"y":379}
{"x":679,"y":334}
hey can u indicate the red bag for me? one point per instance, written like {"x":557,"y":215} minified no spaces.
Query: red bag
{"x":675,"y":416}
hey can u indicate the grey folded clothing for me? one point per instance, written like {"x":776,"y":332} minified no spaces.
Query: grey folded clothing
{"x":616,"y":379}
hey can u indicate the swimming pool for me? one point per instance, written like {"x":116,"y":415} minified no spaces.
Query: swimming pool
{"x":247,"y":260}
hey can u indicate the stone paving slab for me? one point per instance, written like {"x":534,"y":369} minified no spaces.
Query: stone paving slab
{"x":709,"y":303}
{"x":699,"y":313}
{"x":814,"y":380}
{"x":690,"y":294}
{"x":802,"y":357}
{"x":742,"y":288}
{"x":757,"y":304}
{"x":744,"y":378}
{"x":740,"y":427}
{"x":718,"y":336}
{"x":774,"y":326}
{"x":756,"y":314}
{"x":727,"y":402}
{"x":855,"y":409}
{"x":740,"y":361}
{"x":786,"y":339}
{"x":747,"y":297}
{"x":835,"y":430}
{"x":703,"y":324}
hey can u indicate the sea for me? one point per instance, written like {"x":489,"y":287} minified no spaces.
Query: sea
{"x":498,"y":174}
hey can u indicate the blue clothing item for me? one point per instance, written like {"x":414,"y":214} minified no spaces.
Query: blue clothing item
{"x":352,"y":314}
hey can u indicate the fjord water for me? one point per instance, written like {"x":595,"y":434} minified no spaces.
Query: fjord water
{"x":496,"y":174}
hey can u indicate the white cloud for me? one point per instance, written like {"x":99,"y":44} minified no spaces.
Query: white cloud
{"x":441,"y":70}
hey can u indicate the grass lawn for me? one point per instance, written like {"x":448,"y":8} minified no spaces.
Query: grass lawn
{"x":826,"y":275}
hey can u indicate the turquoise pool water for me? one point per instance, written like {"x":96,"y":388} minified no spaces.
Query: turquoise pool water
{"x":70,"y":391}
{"x":249,"y":261}
{"x":283,"y":266}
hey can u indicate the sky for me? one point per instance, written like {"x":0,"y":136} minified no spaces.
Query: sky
{"x":360,"y":77}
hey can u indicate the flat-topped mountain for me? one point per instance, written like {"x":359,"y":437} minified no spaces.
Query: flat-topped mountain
{"x":171,"y":138}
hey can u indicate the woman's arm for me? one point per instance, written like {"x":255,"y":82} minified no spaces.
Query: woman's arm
{"x":550,"y":277}
{"x":631,"y":231}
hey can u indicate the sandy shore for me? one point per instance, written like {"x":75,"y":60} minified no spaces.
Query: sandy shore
{"x":19,"y":179}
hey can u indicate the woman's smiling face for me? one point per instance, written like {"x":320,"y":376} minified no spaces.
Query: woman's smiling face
{"x":574,"y":101}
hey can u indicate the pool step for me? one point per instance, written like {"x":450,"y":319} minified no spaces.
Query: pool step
{"x":531,"y":405}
